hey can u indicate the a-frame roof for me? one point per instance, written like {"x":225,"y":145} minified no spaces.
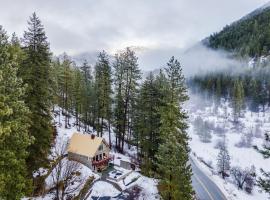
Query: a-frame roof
{"x":85,"y":144}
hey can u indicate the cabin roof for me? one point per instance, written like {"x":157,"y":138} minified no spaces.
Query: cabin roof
{"x":85,"y":144}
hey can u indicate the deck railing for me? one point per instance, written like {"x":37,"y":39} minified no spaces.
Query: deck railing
{"x":103,"y":161}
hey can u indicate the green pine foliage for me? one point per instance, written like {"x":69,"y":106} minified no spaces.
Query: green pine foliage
{"x":148,"y":116}
{"x":36,"y":73}
{"x":248,"y":36}
{"x":250,"y":88}
{"x":126,"y":77}
{"x":78,"y":96}
{"x":74,"y":92}
{"x":264,"y":182}
{"x":88,"y":96}
{"x":172,"y":156}
{"x":223,"y":161}
{"x":238,"y":99}
{"x":14,"y":124}
{"x":103,"y":90}
{"x":147,"y":122}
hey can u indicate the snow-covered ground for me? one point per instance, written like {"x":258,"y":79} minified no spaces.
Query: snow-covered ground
{"x":147,"y":185}
{"x":249,"y":123}
{"x":100,"y":188}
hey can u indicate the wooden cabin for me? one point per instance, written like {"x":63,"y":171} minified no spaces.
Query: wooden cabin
{"x":90,"y":150}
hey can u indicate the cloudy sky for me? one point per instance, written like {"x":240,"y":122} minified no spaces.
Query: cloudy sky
{"x":91,"y":25}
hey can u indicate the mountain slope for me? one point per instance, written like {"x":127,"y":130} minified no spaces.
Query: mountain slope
{"x":248,"y":36}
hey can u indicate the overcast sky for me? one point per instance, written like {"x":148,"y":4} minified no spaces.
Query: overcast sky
{"x":79,"y":26}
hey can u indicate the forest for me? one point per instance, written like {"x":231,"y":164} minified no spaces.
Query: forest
{"x":248,"y":88}
{"x":247,"y":37}
{"x":107,"y":96}
{"x":245,"y":90}
{"x":165,"y":123}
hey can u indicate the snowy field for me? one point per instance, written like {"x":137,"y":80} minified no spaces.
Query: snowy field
{"x":251,"y":128}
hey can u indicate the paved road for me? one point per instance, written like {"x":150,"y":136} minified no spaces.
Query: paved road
{"x":205,"y":188}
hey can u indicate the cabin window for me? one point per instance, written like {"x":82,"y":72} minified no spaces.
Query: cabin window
{"x":96,"y":157}
{"x":100,"y":148}
{"x":100,"y":156}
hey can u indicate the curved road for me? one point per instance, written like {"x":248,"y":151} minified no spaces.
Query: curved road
{"x":205,"y":188}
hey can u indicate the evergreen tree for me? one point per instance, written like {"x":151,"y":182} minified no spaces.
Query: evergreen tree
{"x":14,"y":138}
{"x":264,"y":182}
{"x":202,"y":129}
{"x":77,"y":96}
{"x":127,"y":74}
{"x":238,"y":99}
{"x":66,"y":84}
{"x":119,"y":102}
{"x":254,"y":95}
{"x":217,"y":93}
{"x":88,"y":96}
{"x":223,"y":161}
{"x":103,"y":90}
{"x":172,"y":156}
{"x":263,"y":93}
{"x":36,"y":73}
{"x":205,"y":133}
{"x":147,"y":122}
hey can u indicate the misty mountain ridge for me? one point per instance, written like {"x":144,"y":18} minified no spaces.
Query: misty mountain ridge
{"x":249,"y":36}
{"x":238,"y":44}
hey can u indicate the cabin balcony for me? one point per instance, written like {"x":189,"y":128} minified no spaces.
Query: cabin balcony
{"x":103,"y":161}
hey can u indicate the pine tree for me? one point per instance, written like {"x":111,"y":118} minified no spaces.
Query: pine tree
{"x":78,"y":96}
{"x":205,"y":133}
{"x":127,"y":74}
{"x":174,"y":169}
{"x":147,"y":122}
{"x":103,"y":90}
{"x":217,"y":93}
{"x":88,"y":99}
{"x":14,"y":138}
{"x":66,"y":84}
{"x":238,"y":99}
{"x":264,"y":182}
{"x":223,"y":161}
{"x":263,"y":94}
{"x":54,"y":84}
{"x":36,"y":73}
{"x":118,"y":100}
{"x":254,"y":95}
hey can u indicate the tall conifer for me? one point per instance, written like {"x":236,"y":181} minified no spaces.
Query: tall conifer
{"x":172,"y":157}
{"x":36,"y":72}
{"x":14,"y":124}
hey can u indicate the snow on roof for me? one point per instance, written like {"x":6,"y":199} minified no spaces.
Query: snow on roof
{"x":84,"y":144}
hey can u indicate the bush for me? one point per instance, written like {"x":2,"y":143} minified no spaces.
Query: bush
{"x":244,"y":178}
{"x":246,"y":140}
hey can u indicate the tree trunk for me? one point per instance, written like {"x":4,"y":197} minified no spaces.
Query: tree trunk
{"x":85,"y":122}
{"x":80,"y":111}
{"x":110,"y":142}
{"x":170,"y":190}
{"x":60,"y":116}
{"x":57,"y":193}
{"x":101,"y":128}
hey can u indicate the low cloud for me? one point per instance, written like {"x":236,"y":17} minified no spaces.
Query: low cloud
{"x":197,"y":59}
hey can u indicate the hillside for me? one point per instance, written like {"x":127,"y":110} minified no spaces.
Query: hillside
{"x":248,"y":36}
{"x":218,"y":128}
{"x":100,"y":187}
